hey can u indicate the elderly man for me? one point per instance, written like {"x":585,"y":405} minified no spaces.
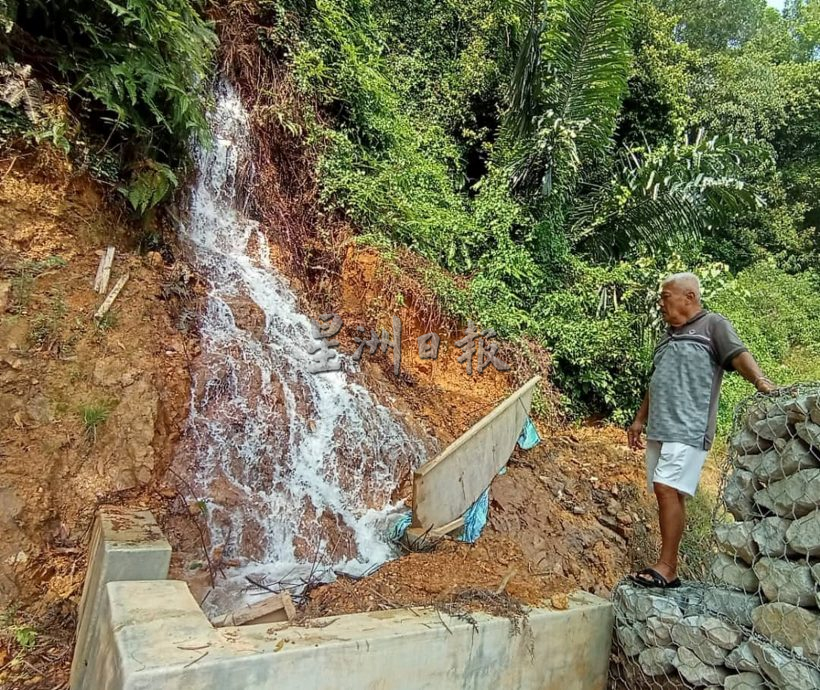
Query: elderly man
{"x":679,"y":410}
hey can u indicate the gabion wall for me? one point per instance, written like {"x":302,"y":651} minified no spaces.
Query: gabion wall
{"x":755,"y":622}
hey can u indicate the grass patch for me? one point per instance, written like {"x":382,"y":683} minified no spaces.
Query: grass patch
{"x":108,"y":321}
{"x":23,"y":277}
{"x":45,"y":328}
{"x":94,"y":415}
{"x":696,"y":546}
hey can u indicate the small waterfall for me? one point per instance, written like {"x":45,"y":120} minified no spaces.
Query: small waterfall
{"x":294,"y":469}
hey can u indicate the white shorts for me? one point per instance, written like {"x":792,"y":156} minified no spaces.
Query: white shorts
{"x":674,"y":464}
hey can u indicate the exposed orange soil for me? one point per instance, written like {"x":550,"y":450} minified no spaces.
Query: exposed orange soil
{"x":567,"y":515}
{"x":56,"y":363}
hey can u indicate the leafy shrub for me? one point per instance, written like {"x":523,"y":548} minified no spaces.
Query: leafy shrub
{"x":136,"y":72}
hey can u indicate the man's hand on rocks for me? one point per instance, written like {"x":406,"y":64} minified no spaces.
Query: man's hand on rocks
{"x":764,"y":385}
{"x":633,"y":435}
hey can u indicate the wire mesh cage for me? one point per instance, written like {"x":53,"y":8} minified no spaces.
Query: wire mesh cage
{"x":753,"y":620}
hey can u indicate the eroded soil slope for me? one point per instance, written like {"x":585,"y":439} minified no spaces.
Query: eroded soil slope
{"x":89,"y":412}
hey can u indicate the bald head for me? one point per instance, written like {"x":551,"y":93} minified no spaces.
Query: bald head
{"x":680,"y":298}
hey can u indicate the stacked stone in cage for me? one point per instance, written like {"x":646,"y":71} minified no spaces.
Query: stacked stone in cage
{"x":756,"y":623}
{"x":772,"y":549}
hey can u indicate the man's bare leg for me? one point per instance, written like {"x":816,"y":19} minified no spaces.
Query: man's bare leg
{"x":672,"y":518}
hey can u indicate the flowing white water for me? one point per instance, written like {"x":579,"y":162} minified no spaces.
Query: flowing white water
{"x":293,"y":467}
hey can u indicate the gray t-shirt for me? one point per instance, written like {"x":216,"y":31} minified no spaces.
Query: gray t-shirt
{"x":687,"y":370}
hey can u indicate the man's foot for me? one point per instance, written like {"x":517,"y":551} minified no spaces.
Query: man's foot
{"x":660,"y":575}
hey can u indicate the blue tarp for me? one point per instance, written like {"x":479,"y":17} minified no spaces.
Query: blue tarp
{"x":475,"y":517}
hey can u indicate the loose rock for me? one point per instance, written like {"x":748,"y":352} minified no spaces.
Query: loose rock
{"x":770,"y":536}
{"x":772,"y":427}
{"x":746,"y":442}
{"x":745,"y":681}
{"x":797,"y":409}
{"x":734,"y":573}
{"x":694,"y":671}
{"x":741,"y":658}
{"x":804,"y":534}
{"x":630,"y":640}
{"x":794,"y":496}
{"x":809,"y":432}
{"x":735,"y":539}
{"x":689,"y":633}
{"x":785,"y":581}
{"x":723,"y":634}
{"x":780,"y":462}
{"x":791,"y":626}
{"x":659,"y":630}
{"x":739,"y":493}
{"x":638,"y":604}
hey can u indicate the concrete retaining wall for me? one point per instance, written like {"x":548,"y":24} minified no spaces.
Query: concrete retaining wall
{"x":149,"y":634}
{"x":153,"y":635}
{"x":125,"y":545}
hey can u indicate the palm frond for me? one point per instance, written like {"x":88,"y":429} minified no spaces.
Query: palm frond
{"x":525,"y":85}
{"x":587,"y":53}
{"x":566,"y":91}
{"x":663,"y":198}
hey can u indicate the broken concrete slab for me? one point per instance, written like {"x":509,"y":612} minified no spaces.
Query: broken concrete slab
{"x":446,"y":486}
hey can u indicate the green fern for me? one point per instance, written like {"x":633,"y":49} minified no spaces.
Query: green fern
{"x":150,"y":185}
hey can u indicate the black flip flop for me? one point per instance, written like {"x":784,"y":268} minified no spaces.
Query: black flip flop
{"x":658,"y":580}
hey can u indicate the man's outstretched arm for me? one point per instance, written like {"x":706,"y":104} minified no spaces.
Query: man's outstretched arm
{"x":748,"y":368}
{"x":633,"y":434}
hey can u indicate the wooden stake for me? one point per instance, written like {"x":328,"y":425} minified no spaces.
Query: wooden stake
{"x":290,"y":609}
{"x":106,"y":305}
{"x":104,"y":271}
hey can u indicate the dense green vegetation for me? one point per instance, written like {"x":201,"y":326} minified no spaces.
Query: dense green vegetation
{"x":551,"y":161}
{"x":566,"y":156}
{"x":128,"y":85}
